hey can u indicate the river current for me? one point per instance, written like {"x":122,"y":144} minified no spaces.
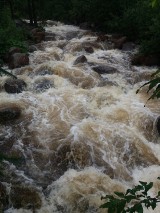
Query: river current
{"x":82,"y":135}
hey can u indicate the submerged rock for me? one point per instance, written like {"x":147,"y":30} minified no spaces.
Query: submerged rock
{"x":42,"y":85}
{"x":104,"y":69}
{"x":80,"y":59}
{"x":43,"y":72}
{"x":8,"y":114}
{"x":14,"y":85}
{"x":89,"y":49}
{"x":24,"y":197}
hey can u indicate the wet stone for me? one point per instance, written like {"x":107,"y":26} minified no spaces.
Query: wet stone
{"x":43,"y":72}
{"x":104,"y":69}
{"x":25,"y":197}
{"x":18,"y":60}
{"x":89,"y":49}
{"x":80,"y":59}
{"x":42,"y":85}
{"x":8,"y":114}
{"x":14,"y":85}
{"x":32,"y":48}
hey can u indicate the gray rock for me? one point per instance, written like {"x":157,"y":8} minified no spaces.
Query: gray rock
{"x":89,"y":49}
{"x":32,"y":48}
{"x":104,"y":69}
{"x":80,"y":59}
{"x":42,"y":85}
{"x":14,"y":85}
{"x":18,"y":60}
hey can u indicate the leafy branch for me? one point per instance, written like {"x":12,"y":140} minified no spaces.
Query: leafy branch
{"x":153,"y":84}
{"x":132,"y":201}
{"x":2,"y":71}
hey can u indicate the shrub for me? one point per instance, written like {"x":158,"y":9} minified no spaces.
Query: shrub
{"x":133,"y":200}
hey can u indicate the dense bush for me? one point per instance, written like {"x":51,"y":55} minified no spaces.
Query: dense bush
{"x":136,"y":19}
{"x":10,"y":35}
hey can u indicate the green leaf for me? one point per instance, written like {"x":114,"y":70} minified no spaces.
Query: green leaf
{"x":158,"y":194}
{"x":153,"y":205}
{"x":107,"y":197}
{"x":119,"y":194}
{"x":138,"y":208}
{"x":129,"y":198}
{"x":105,"y":205}
{"x":130,"y":191}
{"x":148,"y":186}
{"x":154,"y":2}
{"x":155,"y":73}
{"x":111,"y":210}
{"x":153,"y":83}
{"x":121,"y":205}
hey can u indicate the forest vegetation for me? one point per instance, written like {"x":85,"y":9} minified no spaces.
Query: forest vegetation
{"x":139,"y":20}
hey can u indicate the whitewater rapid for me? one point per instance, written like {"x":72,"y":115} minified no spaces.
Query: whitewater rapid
{"x":81,"y":134}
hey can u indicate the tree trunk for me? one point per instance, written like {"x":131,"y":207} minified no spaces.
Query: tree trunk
{"x":30,"y":12}
{"x":11,"y":8}
{"x":34,"y":13}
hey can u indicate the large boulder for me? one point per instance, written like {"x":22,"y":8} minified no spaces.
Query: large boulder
{"x":80,"y":59}
{"x":8,"y":114}
{"x":104,"y":69}
{"x":11,"y":51}
{"x":25,"y":197}
{"x":18,"y":60}
{"x":14,"y":85}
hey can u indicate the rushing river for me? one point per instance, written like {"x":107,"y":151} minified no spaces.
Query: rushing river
{"x":81,"y":134}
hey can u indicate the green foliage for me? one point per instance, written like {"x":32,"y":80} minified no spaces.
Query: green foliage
{"x":154,"y":85}
{"x":10,"y":35}
{"x":155,"y":3}
{"x":132,"y":201}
